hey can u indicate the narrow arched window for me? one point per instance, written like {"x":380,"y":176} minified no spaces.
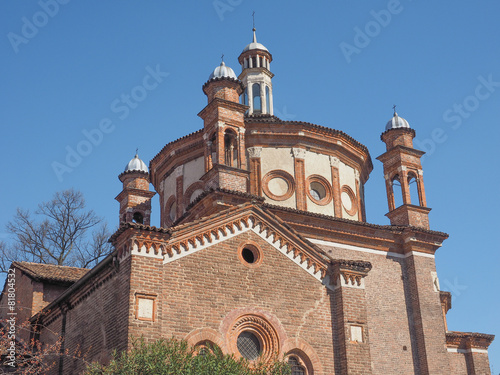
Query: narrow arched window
{"x":413,"y":185}
{"x":257,"y":107}
{"x":397,"y":191}
{"x":138,"y":218}
{"x":254,"y":61}
{"x":230,"y":148}
{"x":296,"y":368}
{"x":268,"y":106}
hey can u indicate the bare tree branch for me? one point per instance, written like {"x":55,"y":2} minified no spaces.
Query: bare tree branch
{"x":61,"y":235}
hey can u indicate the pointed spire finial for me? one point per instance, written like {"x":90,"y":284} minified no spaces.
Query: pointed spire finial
{"x":222,"y":59}
{"x":254,"y":36}
{"x":137,"y":152}
{"x":394,"y":108}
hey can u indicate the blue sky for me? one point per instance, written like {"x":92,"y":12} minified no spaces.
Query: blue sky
{"x":340,"y":64}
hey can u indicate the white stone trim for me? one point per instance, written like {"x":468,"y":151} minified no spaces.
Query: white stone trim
{"x":179,"y":171}
{"x":254,"y":152}
{"x":193,"y":249}
{"x":143,"y":251}
{"x":334,"y":161}
{"x":264,"y":234}
{"x":298,"y":153}
{"x":465,"y":351}
{"x":371,"y":251}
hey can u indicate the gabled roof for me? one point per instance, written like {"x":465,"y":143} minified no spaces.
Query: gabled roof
{"x":51,"y":272}
{"x":204,"y":232}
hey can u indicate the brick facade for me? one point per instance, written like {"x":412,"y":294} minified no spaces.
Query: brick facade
{"x":263,"y":251}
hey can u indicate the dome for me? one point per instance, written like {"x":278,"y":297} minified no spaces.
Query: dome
{"x":397,"y":122}
{"x":222,"y":71}
{"x":136,"y":164}
{"x":254,"y":45}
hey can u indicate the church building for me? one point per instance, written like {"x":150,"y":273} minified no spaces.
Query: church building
{"x":263,"y":248}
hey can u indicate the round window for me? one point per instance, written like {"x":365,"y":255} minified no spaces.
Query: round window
{"x":248,"y":345}
{"x":278,"y":186}
{"x":250,"y":254}
{"x":317,"y":190}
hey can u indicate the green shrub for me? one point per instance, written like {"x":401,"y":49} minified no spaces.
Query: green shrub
{"x":174,"y":357}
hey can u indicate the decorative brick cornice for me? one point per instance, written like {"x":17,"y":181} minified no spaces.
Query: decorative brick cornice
{"x":349,"y":273}
{"x":400,"y":130}
{"x":445,"y":298}
{"x":468,"y":340}
{"x":186,"y":240}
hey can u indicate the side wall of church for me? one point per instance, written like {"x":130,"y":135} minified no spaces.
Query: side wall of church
{"x":96,"y":322}
{"x":391,"y":319}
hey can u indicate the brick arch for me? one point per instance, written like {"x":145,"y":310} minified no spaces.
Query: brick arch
{"x":202,"y":335}
{"x":198,"y":185}
{"x":260,"y":322}
{"x":302,"y":349}
{"x":354,"y":205}
{"x":166,"y":212}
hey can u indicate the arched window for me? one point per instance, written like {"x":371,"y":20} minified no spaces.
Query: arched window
{"x":257,"y":107}
{"x":254,"y":61}
{"x":230,"y":148}
{"x":413,"y":186}
{"x":397,"y":191}
{"x":138,"y":218}
{"x":296,"y":368}
{"x":268,"y":106}
{"x":213,"y":149}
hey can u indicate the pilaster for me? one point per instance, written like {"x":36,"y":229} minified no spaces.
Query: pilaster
{"x":352,"y":351}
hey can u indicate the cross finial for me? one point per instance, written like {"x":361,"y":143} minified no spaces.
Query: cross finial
{"x":394,"y":108}
{"x":137,"y":151}
{"x":222,"y":57}
{"x":253,"y":17}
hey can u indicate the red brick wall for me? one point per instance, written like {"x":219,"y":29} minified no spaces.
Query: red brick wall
{"x":146,"y":278}
{"x":201,"y":289}
{"x":389,"y":318}
{"x":24,"y":302}
{"x":97,"y":324}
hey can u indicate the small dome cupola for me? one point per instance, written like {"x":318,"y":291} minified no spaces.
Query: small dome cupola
{"x":223,"y":84}
{"x":135,"y":197}
{"x":222,"y":71}
{"x":136,"y":165}
{"x":397,"y":122}
{"x":254,"y":44}
{"x":255,"y":61}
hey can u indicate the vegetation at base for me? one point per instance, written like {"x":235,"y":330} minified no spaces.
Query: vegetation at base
{"x":174,"y":357}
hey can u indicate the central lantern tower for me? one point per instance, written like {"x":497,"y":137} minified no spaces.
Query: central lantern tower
{"x":255,"y":63}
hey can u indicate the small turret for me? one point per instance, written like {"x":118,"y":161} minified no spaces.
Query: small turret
{"x":403,"y":169}
{"x":135,"y":197}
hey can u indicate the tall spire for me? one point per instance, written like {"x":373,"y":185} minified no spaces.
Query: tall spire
{"x":253,"y":29}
